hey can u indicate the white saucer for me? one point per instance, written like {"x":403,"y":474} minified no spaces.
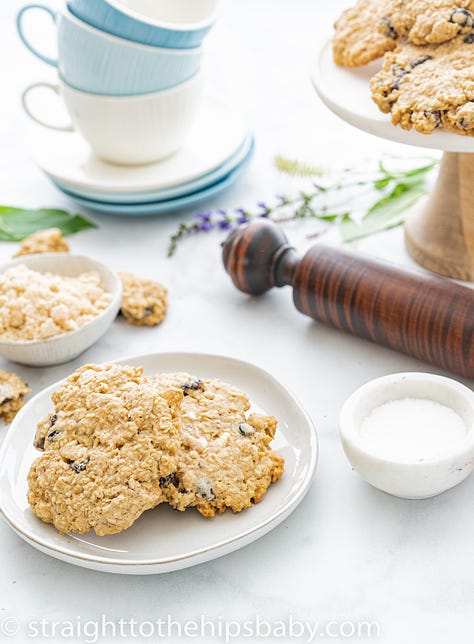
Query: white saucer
{"x":191,"y":187}
{"x":163,"y":540}
{"x":66,"y":158}
{"x":347,"y":93}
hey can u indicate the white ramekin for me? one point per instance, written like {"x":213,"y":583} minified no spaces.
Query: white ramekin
{"x":409,"y":478}
{"x":66,"y":346}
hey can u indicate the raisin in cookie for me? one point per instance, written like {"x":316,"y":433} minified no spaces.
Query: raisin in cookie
{"x":225,"y":459}
{"x":43,"y":241}
{"x":12,"y":395}
{"x":111,"y":439}
{"x":373,"y":27}
{"x":144,"y":302}
{"x":428,"y":87}
{"x":358,"y":40}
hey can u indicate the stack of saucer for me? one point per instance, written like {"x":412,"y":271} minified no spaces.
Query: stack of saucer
{"x":141,"y":137}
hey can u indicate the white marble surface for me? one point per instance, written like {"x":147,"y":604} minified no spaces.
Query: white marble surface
{"x":349,"y":552}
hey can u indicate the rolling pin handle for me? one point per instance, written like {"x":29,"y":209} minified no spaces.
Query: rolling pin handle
{"x":429,"y":318}
{"x":258,"y":257}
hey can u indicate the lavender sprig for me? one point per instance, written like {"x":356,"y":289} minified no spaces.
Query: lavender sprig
{"x":318,"y":203}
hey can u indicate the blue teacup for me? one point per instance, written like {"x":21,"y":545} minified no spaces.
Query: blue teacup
{"x":96,"y":62}
{"x":161,"y":23}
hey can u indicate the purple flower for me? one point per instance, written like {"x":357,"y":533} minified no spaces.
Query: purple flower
{"x":205,"y":226}
{"x":243,"y":217}
{"x":266,"y":210}
{"x":204,"y":216}
{"x":222,"y":212}
{"x":225,"y":225}
{"x":264,"y":215}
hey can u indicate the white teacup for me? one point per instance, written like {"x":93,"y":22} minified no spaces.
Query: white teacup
{"x":127,"y":130}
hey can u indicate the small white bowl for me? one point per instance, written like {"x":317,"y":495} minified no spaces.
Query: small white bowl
{"x":409,"y":478}
{"x":66,"y":346}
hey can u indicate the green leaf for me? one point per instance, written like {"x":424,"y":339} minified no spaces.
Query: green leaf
{"x":380,"y":184}
{"x":388,"y":212}
{"x":332,"y":216}
{"x":17,"y":223}
{"x":413,"y":172}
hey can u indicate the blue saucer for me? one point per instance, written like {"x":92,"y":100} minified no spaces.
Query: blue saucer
{"x":170,"y":205}
{"x":182,"y":190}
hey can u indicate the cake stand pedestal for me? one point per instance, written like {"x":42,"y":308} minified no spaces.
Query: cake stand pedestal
{"x":440,"y":233}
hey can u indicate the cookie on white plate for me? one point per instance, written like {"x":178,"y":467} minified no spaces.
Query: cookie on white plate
{"x":225,"y":459}
{"x":372,"y":28}
{"x":429,"y":87}
{"x":110,"y":440}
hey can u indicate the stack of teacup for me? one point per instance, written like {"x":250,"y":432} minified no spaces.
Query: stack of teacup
{"x":142,"y":138}
{"x":129,"y":72}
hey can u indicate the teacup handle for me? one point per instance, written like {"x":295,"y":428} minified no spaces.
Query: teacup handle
{"x":26,"y":107}
{"x":19,"y":26}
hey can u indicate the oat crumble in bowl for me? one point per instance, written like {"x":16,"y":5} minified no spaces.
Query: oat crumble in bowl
{"x":87,"y":308}
{"x":38,"y":306}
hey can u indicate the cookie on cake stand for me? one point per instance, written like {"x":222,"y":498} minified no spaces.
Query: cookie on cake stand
{"x":440,"y":233}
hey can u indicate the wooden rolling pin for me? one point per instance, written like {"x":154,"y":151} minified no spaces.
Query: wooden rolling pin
{"x":429,"y":318}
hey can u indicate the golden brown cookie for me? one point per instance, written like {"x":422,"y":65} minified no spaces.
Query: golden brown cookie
{"x":43,"y":241}
{"x":428,"y":87}
{"x":371,"y":28}
{"x":110,"y":440}
{"x":358,"y":40}
{"x":225,"y":459}
{"x":425,"y":22}
{"x":12,"y":395}
{"x":144,"y":302}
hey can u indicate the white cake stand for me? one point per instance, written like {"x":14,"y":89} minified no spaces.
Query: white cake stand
{"x":440,"y":235}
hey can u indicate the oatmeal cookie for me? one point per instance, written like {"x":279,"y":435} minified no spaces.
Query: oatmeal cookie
{"x":373,"y":27}
{"x":425,"y":22}
{"x":358,"y":40}
{"x":225,"y":459}
{"x":43,"y":241}
{"x":12,"y":395}
{"x":429,"y":87}
{"x":144,"y":302}
{"x":110,"y":440}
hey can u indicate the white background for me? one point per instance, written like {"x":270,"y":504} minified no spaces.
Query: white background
{"x":349,"y":552}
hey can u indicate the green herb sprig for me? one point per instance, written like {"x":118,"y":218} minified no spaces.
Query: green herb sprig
{"x":358,"y":202}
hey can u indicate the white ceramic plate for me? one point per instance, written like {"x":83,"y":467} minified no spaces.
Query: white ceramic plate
{"x":217,"y":135}
{"x":163,"y":540}
{"x":347,"y":93}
